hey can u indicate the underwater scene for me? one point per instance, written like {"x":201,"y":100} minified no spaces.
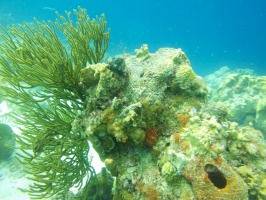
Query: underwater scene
{"x":135,"y":100}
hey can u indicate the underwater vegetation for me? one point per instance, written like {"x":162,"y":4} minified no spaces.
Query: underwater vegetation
{"x":41,"y":78}
{"x":147,"y":116}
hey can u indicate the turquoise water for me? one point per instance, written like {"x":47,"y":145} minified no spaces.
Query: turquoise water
{"x":212,"y":33}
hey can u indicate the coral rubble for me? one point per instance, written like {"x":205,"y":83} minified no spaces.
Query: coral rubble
{"x":151,"y":124}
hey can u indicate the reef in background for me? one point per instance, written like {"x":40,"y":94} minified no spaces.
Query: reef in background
{"x":149,"y":119}
{"x":243,"y":93}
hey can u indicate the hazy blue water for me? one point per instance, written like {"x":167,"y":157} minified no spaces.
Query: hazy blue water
{"x":212,"y":33}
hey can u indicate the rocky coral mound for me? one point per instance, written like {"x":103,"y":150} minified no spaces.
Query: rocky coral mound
{"x":149,"y":120}
{"x":243,"y":93}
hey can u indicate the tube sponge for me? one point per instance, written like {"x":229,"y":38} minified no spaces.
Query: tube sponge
{"x":215,"y":181}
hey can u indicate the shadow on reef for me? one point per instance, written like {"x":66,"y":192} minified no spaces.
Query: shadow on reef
{"x":98,"y":188}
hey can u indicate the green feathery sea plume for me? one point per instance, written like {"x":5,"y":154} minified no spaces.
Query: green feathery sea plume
{"x":41,"y":77}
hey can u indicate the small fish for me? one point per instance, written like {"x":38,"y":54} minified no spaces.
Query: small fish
{"x":48,"y":8}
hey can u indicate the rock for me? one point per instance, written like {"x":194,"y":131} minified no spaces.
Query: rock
{"x":243,"y":93}
{"x":150,"y":122}
{"x":6,"y":138}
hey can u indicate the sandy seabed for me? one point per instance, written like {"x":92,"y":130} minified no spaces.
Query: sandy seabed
{"x":11,"y":178}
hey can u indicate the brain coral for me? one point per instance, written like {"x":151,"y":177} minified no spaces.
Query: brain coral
{"x":185,"y":77}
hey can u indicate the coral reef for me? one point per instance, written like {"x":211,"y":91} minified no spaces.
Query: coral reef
{"x":243,"y":93}
{"x":211,"y":180}
{"x":147,"y":116}
{"x":160,"y":138}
